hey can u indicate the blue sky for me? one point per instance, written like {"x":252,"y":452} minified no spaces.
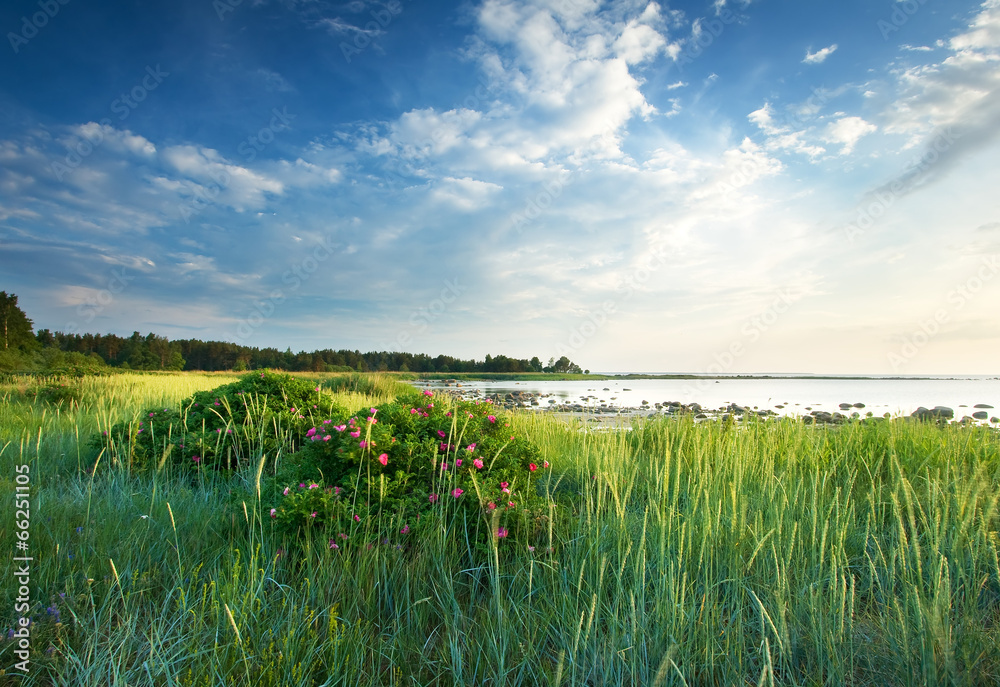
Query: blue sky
{"x":716,"y":186}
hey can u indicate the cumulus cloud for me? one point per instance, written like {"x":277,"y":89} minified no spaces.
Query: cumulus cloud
{"x":847,"y":131}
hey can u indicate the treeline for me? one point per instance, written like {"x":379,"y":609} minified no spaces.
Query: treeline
{"x":21,"y":349}
{"x":154,"y":352}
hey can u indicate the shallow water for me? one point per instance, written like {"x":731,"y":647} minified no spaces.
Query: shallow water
{"x":797,"y":396}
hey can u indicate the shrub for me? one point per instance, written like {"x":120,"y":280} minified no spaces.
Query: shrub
{"x":225,"y":428}
{"x":58,"y":394}
{"x":401,"y":465}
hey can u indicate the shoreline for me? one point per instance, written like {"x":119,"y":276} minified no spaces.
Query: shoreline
{"x":606,"y":415}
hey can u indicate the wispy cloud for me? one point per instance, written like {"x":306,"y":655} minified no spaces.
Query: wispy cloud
{"x":820,"y":55}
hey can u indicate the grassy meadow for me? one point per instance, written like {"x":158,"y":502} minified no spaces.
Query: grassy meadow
{"x":677,"y":553}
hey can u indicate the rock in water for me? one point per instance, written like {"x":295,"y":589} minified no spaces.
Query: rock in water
{"x":982,"y":405}
{"x":980,"y":415}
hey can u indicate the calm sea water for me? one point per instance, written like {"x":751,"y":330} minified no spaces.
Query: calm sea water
{"x":798,"y":396}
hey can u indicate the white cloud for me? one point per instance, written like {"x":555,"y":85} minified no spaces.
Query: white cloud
{"x":239,"y":187}
{"x":566,"y":70}
{"x":464,"y":194}
{"x":847,"y":131}
{"x":948,"y":92}
{"x":819,"y":56}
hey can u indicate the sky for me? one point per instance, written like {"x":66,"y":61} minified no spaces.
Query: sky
{"x":721,"y":186}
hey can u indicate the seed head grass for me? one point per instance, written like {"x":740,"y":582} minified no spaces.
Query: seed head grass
{"x":674,"y":552}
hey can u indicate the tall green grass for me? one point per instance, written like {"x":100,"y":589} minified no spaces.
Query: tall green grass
{"x":676,"y":553}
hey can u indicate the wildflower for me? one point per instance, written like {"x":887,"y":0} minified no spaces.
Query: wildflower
{"x":196,"y":459}
{"x":491,"y":418}
{"x":342,"y":535}
{"x":373,"y":410}
{"x":362,"y":444}
{"x":444,"y":465}
{"x":441,"y":433}
{"x":501,"y":532}
{"x":406,"y":528}
{"x":372,"y":421}
{"x":285,"y":492}
{"x":152,"y":414}
{"x":317,"y":388}
{"x":428,"y":392}
{"x":491,"y":505}
{"x":336,"y":491}
{"x":456,"y":492}
{"x":313,"y":485}
{"x":311,"y":432}
{"x":333,"y":544}
{"x":458,"y":463}
{"x":340,"y":428}
{"x":531,"y":549}
{"x":356,"y":433}
{"x":545,"y":463}
{"x":79,"y":530}
{"x":504,"y":487}
{"x":326,"y":422}
{"x":326,"y":438}
{"x":274,"y":512}
{"x":384,"y":458}
{"x":313,"y":514}
{"x":532,"y":467}
{"x":510,"y":504}
{"x":413,"y":411}
{"x":302,"y":485}
{"x":433,"y":498}
{"x":478,"y":462}
{"x":443,"y":447}
{"x":470,"y":447}
{"x":357,"y":518}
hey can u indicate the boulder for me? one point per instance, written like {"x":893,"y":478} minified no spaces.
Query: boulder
{"x":935,"y":413}
{"x":982,"y":405}
{"x":980,"y":415}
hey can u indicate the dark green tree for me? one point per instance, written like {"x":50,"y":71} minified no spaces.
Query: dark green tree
{"x":16,"y":330}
